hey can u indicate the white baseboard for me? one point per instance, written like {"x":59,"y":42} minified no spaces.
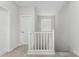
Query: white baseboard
{"x":22,"y":44}
{"x":2,"y":53}
{"x":76,"y":53}
{"x":42,"y":52}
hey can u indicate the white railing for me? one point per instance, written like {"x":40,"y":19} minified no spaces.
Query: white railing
{"x":41,"y":41}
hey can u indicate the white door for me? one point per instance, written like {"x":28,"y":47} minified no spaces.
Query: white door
{"x":3,"y":30}
{"x":27,"y":25}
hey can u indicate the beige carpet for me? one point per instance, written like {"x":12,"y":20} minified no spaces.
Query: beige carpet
{"x":21,"y":51}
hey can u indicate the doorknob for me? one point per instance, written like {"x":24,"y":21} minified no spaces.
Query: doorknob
{"x":22,"y":32}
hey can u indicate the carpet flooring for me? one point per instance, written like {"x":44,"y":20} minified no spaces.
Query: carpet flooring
{"x":21,"y":51}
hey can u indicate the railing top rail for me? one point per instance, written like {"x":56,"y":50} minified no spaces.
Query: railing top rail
{"x":41,"y":32}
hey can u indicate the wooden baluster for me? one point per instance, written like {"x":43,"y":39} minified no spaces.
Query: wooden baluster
{"x":35,"y":40}
{"x":41,"y":40}
{"x":44,"y":40}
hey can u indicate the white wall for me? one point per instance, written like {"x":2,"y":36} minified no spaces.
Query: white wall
{"x":29,"y":11}
{"x":13,"y":24}
{"x":67,"y":31}
{"x":47,"y":10}
{"x":62,"y":31}
{"x":3,"y":30}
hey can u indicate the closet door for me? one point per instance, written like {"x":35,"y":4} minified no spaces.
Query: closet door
{"x":27,"y":27}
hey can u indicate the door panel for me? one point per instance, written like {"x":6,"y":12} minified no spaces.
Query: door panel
{"x":27,"y":25}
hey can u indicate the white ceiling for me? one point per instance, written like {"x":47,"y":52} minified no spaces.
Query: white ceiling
{"x":40,"y":3}
{"x":43,"y":6}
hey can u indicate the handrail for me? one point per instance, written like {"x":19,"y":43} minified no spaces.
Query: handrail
{"x":40,"y":40}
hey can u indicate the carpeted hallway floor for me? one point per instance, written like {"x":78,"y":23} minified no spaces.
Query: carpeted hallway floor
{"x":21,"y":51}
